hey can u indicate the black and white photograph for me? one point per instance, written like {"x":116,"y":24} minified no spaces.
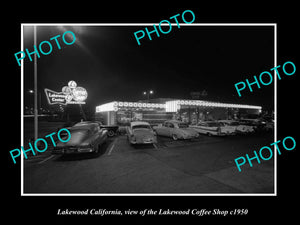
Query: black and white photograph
{"x":144,"y":113}
{"x":162,"y":117}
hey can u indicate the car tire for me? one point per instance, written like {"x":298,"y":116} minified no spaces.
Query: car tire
{"x":110,"y":133}
{"x":174,"y":136}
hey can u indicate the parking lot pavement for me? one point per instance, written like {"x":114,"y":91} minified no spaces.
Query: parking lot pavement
{"x":258,"y":179}
{"x":165,"y":142}
{"x":205,"y":165}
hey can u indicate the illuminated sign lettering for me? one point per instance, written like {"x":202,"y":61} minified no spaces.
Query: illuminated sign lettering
{"x":70,"y":94}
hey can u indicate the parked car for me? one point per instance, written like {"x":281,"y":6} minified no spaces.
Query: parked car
{"x":212,"y":128}
{"x":112,"y":130}
{"x":85,"y":137}
{"x":250,"y":124}
{"x":176,"y":130}
{"x":140,"y":132}
{"x":269,"y":125}
{"x":237,"y":127}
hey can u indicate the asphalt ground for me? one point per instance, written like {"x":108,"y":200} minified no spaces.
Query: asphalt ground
{"x":201,"y":166}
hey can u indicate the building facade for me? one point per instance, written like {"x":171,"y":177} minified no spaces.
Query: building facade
{"x":158,"y":110}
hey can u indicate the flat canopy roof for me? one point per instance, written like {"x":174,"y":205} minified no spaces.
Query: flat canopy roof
{"x":173,"y":106}
{"x":170,"y":106}
{"x":114,"y":106}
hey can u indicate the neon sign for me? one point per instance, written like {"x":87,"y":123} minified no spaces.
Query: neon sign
{"x":70,"y":94}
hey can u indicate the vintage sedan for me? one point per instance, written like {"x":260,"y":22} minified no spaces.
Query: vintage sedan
{"x":238,"y":127}
{"x":85,"y":137}
{"x":176,"y":130}
{"x":140,"y":132}
{"x":212,"y":128}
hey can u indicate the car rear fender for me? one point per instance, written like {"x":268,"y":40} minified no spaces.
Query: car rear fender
{"x":179,"y":133}
{"x":102,"y":136}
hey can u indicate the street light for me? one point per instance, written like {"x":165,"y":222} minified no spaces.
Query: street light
{"x":148,"y":93}
{"x":39,"y":103}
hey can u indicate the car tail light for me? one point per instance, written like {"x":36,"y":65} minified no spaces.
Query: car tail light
{"x":86,"y":146}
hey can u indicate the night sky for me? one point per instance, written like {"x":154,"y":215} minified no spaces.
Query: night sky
{"x":108,"y":62}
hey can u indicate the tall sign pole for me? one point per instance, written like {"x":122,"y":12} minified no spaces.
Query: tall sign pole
{"x":35,"y":89}
{"x":83,"y":114}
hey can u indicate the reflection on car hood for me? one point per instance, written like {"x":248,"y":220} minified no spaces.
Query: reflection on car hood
{"x":77,"y":137}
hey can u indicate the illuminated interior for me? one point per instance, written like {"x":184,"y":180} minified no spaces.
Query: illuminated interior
{"x":190,"y":111}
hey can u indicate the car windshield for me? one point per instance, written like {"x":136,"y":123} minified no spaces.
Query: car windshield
{"x":182,"y":125}
{"x":141,"y":126}
{"x":75,"y":133}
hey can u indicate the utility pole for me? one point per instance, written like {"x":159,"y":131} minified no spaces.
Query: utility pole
{"x":35,"y":88}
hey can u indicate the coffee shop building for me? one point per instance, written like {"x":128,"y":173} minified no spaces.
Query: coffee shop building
{"x":156,"y":111}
